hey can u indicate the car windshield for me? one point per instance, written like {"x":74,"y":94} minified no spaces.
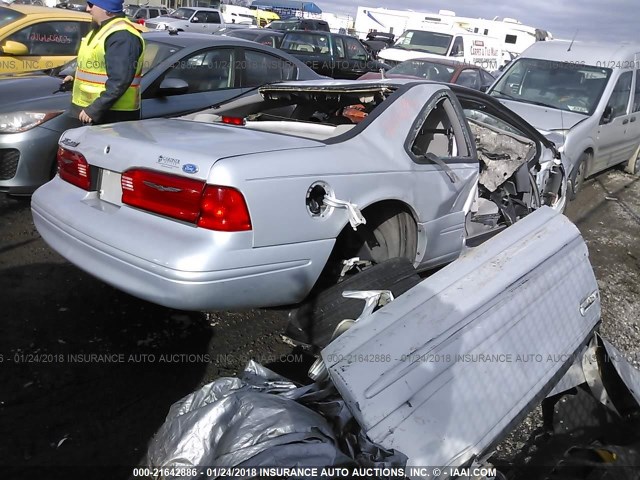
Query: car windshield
{"x":424,"y":69}
{"x":423,"y":41}
{"x":182,"y":13}
{"x":156,"y":52}
{"x":566,"y":86}
{"x":131,"y":10}
{"x":8,"y":15}
{"x":286,"y":25}
{"x":246,"y":34}
{"x":306,"y":42}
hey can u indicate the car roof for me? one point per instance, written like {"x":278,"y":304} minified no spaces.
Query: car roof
{"x":206,"y":9}
{"x":33,"y":10}
{"x":443,"y":61}
{"x":183,"y":39}
{"x":598,"y":54}
{"x":341,"y":84}
{"x":256,"y":31}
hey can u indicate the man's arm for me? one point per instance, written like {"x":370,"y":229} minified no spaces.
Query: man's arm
{"x":122,"y":51}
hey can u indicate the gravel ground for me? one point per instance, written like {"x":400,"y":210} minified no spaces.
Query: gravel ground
{"x":68,"y":414}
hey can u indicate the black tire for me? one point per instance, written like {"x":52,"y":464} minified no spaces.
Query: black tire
{"x":579,"y":175}
{"x":315,"y":321}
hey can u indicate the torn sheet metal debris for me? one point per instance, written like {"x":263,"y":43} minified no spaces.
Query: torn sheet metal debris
{"x":421,"y":396}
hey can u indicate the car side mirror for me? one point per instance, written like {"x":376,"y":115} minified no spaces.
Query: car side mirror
{"x":15,"y":48}
{"x":194,"y":20}
{"x":607,"y":116}
{"x":172,"y":86}
{"x":484,"y":88}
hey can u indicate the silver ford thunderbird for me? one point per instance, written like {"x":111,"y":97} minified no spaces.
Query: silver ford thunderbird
{"x":253,"y":202}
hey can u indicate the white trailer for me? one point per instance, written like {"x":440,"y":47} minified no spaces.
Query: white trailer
{"x":513,"y":34}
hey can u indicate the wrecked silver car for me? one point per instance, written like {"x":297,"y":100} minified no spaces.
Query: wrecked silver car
{"x":255,"y":202}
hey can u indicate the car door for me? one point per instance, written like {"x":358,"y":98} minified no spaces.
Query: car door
{"x":259,"y":68}
{"x":486,"y":80}
{"x":615,"y":145}
{"x":469,"y":77}
{"x":438,"y":146}
{"x":42,"y":45}
{"x":198,"y":23}
{"x":212,"y":22}
{"x":211,"y":78}
{"x":357,"y":58}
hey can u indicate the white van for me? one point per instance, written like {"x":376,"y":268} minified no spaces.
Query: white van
{"x":446,"y":40}
{"x":583,"y":96}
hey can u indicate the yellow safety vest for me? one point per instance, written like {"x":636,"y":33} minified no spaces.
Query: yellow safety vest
{"x":91,"y":73}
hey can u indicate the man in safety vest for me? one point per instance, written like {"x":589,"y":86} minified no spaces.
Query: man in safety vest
{"x":106,"y":87}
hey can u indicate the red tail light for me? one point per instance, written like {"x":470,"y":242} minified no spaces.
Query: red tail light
{"x":224,"y":208}
{"x":233,"y":120}
{"x":209,"y":206}
{"x":140,"y":21}
{"x":73,"y":168}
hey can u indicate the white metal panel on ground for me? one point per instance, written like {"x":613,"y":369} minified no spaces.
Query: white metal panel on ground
{"x":441,"y":372}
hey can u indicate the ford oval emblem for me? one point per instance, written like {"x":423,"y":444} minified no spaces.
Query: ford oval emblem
{"x":190,"y":168}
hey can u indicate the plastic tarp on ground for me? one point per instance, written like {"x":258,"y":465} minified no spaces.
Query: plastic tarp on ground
{"x":262,"y":419}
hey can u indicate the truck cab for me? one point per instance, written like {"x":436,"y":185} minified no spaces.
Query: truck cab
{"x":445,"y":41}
{"x":331,"y":54}
{"x":189,"y":19}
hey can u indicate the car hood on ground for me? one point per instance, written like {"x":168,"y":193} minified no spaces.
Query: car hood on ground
{"x":169,"y":144}
{"x":32,"y":92}
{"x":545,"y":119}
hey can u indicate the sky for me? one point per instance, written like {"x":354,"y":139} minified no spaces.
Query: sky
{"x":594,"y":20}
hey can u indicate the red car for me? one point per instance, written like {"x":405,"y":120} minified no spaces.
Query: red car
{"x":447,"y":71}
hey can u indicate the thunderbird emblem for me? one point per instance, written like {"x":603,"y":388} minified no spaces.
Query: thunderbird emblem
{"x":161,"y":188}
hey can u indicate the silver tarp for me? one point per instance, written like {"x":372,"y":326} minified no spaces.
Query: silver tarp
{"x":262,"y":419}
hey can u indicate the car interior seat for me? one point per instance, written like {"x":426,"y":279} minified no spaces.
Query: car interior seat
{"x":436,"y":135}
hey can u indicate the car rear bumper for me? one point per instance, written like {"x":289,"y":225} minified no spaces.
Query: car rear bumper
{"x":223,"y":277}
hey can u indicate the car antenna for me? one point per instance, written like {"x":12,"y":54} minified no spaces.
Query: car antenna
{"x":572,"y":40}
{"x":382,"y":74}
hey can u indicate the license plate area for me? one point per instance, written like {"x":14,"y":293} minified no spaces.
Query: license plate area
{"x":110,"y":187}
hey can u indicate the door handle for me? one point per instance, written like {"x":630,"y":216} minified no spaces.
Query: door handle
{"x":633,"y":119}
{"x":625,"y":121}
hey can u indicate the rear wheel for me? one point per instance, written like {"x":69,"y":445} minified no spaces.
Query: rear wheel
{"x":381,"y":252}
{"x":315,"y":322}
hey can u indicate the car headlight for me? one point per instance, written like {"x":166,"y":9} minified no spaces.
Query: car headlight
{"x":22,"y":121}
{"x":162,"y":26}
